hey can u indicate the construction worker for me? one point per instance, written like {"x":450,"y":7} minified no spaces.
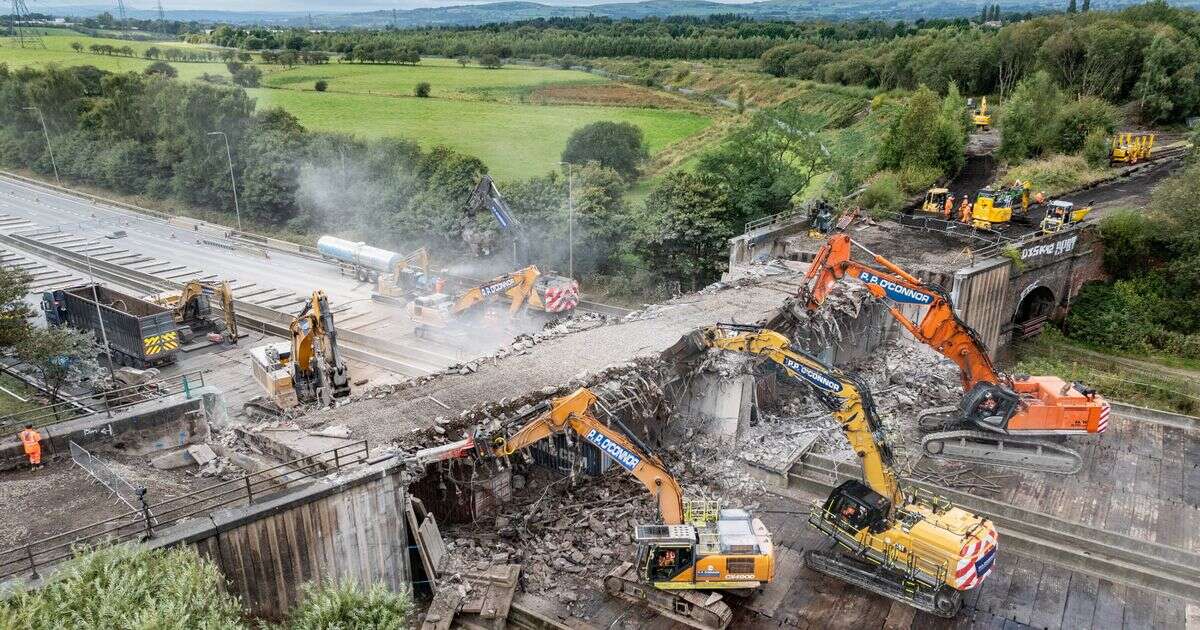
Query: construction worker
{"x":948,"y":207}
{"x":964,"y":211}
{"x":32,"y":441}
{"x":1040,"y":197}
{"x":439,"y":284}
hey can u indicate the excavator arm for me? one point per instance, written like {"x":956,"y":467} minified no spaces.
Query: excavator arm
{"x":226,"y":293}
{"x":848,"y":400}
{"x":573,"y":413}
{"x":940,"y":327}
{"x":518,"y":286}
{"x":487,"y":195}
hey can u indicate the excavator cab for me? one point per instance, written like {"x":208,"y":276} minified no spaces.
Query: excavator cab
{"x":989,"y":405}
{"x":1061,"y":215}
{"x":935,"y":200}
{"x":857,"y":506}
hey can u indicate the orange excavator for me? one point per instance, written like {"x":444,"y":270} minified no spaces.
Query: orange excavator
{"x":696,"y":551}
{"x":1000,"y":418}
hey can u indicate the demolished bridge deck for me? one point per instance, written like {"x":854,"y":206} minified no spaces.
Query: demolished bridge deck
{"x":409,"y":413}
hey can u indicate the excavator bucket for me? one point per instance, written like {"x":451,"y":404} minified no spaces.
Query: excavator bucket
{"x":689,"y":348}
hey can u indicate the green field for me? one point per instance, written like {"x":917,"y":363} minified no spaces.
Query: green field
{"x":513,"y":140}
{"x":474,"y":110}
{"x":58,"y":50}
{"x":447,"y":78}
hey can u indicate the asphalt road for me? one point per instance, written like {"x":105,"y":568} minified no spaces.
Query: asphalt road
{"x":157,"y":239}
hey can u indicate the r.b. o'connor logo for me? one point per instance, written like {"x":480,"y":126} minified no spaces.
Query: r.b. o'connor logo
{"x":619,"y":453}
{"x":899,"y":293}
{"x":818,"y":379}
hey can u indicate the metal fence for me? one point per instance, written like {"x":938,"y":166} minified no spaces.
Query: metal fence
{"x":106,"y":476}
{"x":140,"y":523}
{"x":109,"y":402}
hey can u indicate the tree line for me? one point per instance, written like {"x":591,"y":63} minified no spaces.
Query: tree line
{"x":715,"y":37}
{"x":1146,"y":54}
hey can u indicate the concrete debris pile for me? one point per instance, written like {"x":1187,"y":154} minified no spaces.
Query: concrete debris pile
{"x":567,"y":537}
{"x":749,"y":274}
{"x":910,"y":378}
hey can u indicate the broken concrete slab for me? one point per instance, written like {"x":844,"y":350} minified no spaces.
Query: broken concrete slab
{"x":202,"y":453}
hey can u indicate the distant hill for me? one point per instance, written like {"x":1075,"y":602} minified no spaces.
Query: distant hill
{"x":478,"y":14}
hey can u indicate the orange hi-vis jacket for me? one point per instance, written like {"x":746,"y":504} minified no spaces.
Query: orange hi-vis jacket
{"x":31,"y":440}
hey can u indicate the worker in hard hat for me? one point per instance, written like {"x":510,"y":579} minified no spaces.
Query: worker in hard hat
{"x":948,"y":207}
{"x":31,"y":440}
{"x":964,"y":211}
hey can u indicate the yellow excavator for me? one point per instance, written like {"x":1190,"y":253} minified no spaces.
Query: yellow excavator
{"x":910,"y":546}
{"x":192,"y":308}
{"x":523,"y":288}
{"x":409,"y":275}
{"x":1131,"y":148}
{"x":695,"y":550}
{"x":317,"y":369}
{"x":980,"y":116}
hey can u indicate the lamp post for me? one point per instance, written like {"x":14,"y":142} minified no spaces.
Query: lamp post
{"x":570,"y":220}
{"x":232,"y":181}
{"x":46,"y":133}
{"x":103,"y":330}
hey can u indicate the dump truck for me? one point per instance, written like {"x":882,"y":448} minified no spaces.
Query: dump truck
{"x":140,"y":334}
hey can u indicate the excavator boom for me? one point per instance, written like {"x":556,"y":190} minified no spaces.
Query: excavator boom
{"x":1004,"y":408}
{"x":918,"y":550}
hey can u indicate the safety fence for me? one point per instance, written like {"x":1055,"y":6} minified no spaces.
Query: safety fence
{"x":106,"y":476}
{"x":141,"y":523}
{"x":107,"y":403}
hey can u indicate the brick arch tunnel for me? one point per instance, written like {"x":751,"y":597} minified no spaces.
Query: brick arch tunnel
{"x":1036,"y":308}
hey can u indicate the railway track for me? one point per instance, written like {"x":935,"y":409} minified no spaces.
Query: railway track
{"x":1160,"y":568}
{"x":383,"y":353}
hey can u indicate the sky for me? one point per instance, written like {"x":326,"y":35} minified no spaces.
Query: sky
{"x":322,"y":6}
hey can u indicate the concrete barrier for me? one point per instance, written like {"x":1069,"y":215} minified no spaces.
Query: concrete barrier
{"x":154,"y":426}
{"x":1156,"y":416}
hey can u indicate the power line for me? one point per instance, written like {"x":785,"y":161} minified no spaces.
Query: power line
{"x":19,"y":27}
{"x":121,"y":14}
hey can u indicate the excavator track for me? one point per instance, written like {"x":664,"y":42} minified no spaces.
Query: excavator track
{"x":997,"y":449}
{"x":939,"y":418}
{"x":704,"y":610}
{"x":943,"y":601}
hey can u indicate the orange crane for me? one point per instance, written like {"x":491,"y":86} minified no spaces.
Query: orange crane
{"x":1010,"y":412}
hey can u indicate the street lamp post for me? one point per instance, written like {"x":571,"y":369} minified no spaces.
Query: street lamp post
{"x":232,"y":181}
{"x":103,"y":330}
{"x":46,"y":133}
{"x":570,"y":220}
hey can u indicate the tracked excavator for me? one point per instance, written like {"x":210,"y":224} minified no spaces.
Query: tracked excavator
{"x":192,"y":307}
{"x":683,"y":561}
{"x":1002,"y":420}
{"x":523,"y":288}
{"x":317,"y":369}
{"x":907,"y":545}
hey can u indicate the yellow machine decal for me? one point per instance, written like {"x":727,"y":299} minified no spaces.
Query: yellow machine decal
{"x":158,"y":344}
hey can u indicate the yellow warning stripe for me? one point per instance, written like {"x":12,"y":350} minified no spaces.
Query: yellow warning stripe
{"x":158,"y":344}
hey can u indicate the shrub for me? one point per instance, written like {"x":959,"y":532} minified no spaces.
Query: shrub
{"x":1056,"y":174}
{"x":915,"y":178}
{"x":321,"y":85}
{"x":490,"y":61}
{"x":422,"y":89}
{"x":1078,"y":119}
{"x":463,"y":61}
{"x":162,"y":69}
{"x":122,"y":587}
{"x":347,"y":607}
{"x":1096,"y":149}
{"x":883,"y":194}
